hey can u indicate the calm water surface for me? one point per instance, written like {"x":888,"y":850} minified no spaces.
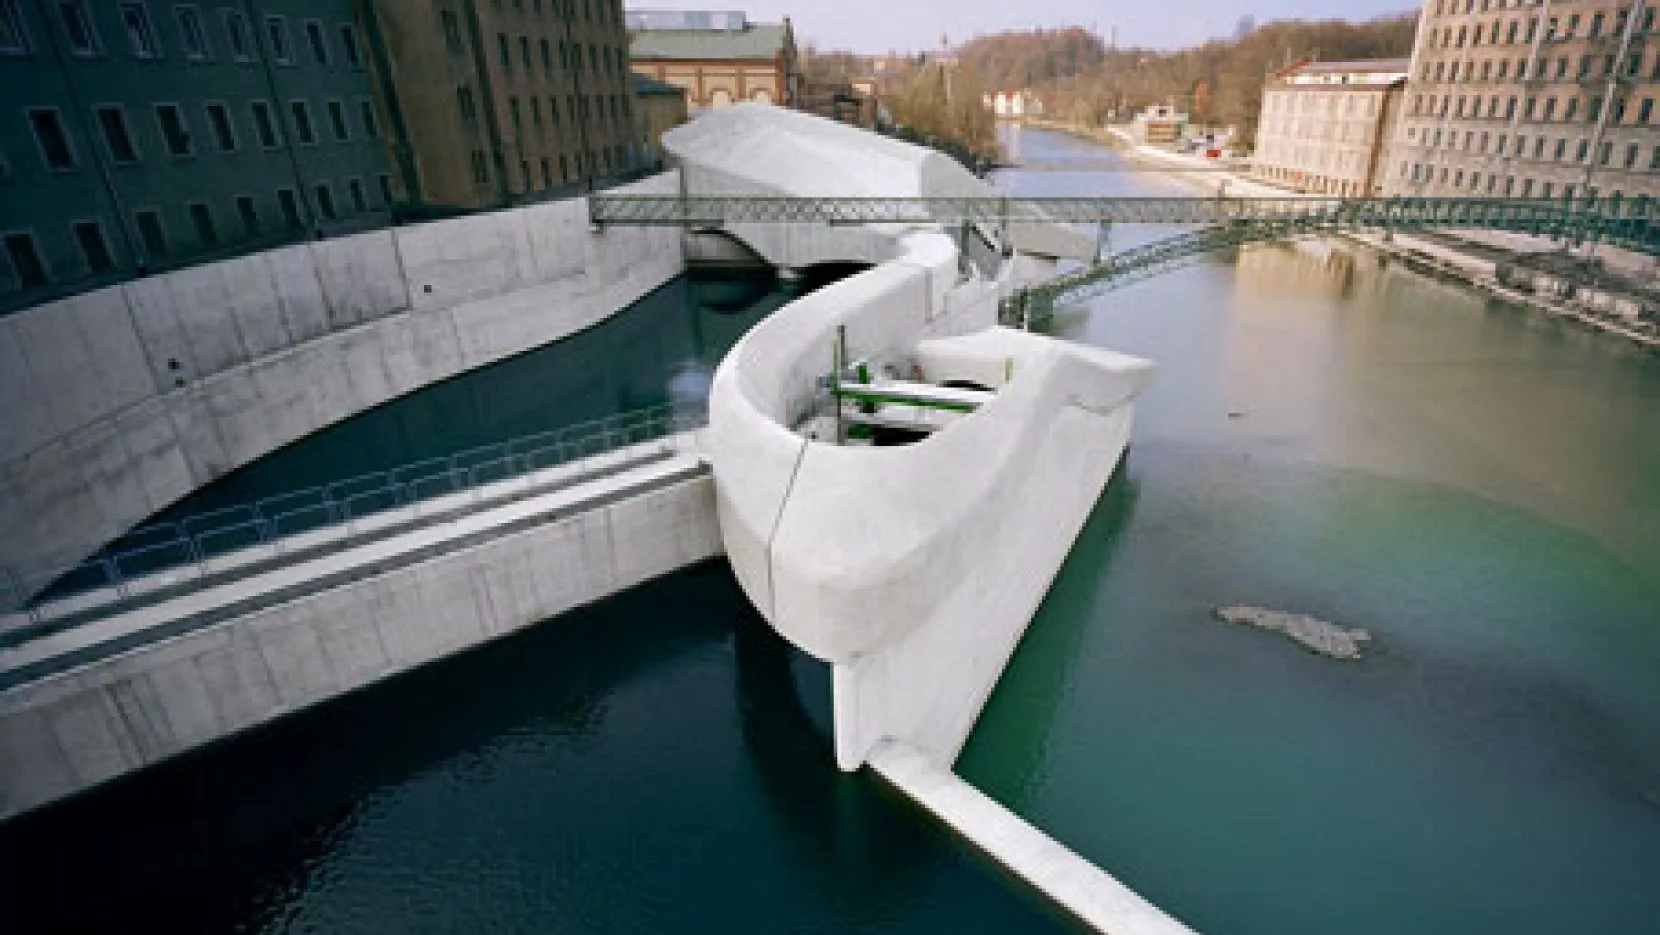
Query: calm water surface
{"x":1478,"y":486}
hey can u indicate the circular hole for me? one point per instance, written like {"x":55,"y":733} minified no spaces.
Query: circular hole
{"x":427,"y":289}
{"x":173,"y":363}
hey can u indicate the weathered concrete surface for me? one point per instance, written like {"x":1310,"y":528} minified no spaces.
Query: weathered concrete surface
{"x":914,"y":570}
{"x":74,"y":730}
{"x":1074,"y":884}
{"x":122,"y":401}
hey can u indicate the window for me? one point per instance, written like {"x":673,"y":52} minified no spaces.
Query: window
{"x":89,"y":236}
{"x":547,"y":57}
{"x":1561,"y":150}
{"x":513,"y":110}
{"x":191,"y":35}
{"x":481,"y":169}
{"x":236,"y":28}
{"x":289,"y":204}
{"x":325,"y":202}
{"x":202,"y":219}
{"x":151,"y":233}
{"x":506,"y":52}
{"x":276,"y":36}
{"x":141,"y":35}
{"x":14,"y":40}
{"x":1605,"y":153}
{"x":219,"y":118}
{"x":53,"y":141}
{"x":1584,"y":151}
{"x":77,"y":27}
{"x":117,"y":137}
{"x":348,"y":42}
{"x":360,"y":204}
{"x":319,"y":45}
{"x":1596,"y":25}
{"x":547,"y":174}
{"x":464,"y":104}
{"x":385,"y":189}
{"x":302,"y":123}
{"x":1654,"y":159}
{"x":249,"y":214}
{"x":366,"y":111}
{"x":264,"y":125}
{"x":524,"y":52}
{"x":337,"y":119}
{"x":1631,"y":152}
{"x":1645,"y":110}
{"x":536,"y":113}
{"x":173,"y":130}
{"x":27,"y":268}
{"x":452,"y":31}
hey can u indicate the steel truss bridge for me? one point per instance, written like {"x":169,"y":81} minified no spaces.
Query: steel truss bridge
{"x":1632,"y":224}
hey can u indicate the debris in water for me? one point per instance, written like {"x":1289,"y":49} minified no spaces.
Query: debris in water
{"x":1327,"y":639}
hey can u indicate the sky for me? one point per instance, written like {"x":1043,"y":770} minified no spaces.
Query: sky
{"x":880,"y":25}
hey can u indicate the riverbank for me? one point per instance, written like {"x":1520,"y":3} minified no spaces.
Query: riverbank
{"x":1472,"y":258}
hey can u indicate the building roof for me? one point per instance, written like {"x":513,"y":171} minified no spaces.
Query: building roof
{"x":1363,"y":65}
{"x":645,"y":86}
{"x":759,"y":41}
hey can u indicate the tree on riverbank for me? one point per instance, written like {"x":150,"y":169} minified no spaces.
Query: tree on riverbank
{"x":947,"y":102}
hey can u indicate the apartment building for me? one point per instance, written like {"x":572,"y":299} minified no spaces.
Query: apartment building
{"x":1325,"y":125}
{"x":139,"y":135}
{"x":1531,"y":98}
{"x":493,"y":102}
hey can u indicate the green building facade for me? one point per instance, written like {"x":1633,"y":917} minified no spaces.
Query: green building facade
{"x":143,"y":135}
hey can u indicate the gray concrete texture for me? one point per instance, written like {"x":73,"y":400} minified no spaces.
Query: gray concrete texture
{"x":124,"y":400}
{"x":69,"y":732}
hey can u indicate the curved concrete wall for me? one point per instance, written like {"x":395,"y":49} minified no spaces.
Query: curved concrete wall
{"x":122,"y":401}
{"x":913,"y":570}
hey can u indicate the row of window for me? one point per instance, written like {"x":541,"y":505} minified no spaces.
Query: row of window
{"x":188,"y":27}
{"x":1557,"y":29}
{"x":1507,"y":186}
{"x":606,"y":159}
{"x":1549,"y":69}
{"x":1579,"y":152}
{"x":27,"y":270}
{"x":613,"y":107}
{"x":173,"y":128}
{"x":1471,"y":108}
{"x":565,"y":8}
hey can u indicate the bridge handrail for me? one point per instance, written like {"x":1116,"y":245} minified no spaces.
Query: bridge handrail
{"x":191,"y":543}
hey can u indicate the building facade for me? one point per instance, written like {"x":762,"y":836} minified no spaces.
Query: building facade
{"x":658,"y":108}
{"x":494,"y":102}
{"x":717,"y":58}
{"x":1325,"y":126}
{"x":1545,"y":99}
{"x":137,"y":135}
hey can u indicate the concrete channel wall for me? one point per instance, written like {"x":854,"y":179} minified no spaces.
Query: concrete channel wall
{"x":69,"y":732}
{"x":122,"y":401}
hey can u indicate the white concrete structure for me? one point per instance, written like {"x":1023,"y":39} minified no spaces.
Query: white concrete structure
{"x":122,"y":401}
{"x":337,"y":622}
{"x":912,"y":570}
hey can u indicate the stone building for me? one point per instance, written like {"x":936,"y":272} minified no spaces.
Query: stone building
{"x":718,"y":58}
{"x":492,"y":102}
{"x":1545,"y":99}
{"x":1325,"y":126}
{"x":658,"y":108}
{"x":138,"y":136}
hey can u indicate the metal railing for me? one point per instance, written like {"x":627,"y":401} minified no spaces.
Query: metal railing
{"x":188,"y":546}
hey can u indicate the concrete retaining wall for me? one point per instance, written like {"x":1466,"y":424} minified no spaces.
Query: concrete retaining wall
{"x":73,"y":731}
{"x":122,"y":401}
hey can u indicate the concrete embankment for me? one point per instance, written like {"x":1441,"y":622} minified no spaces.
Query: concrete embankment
{"x":122,"y":401}
{"x":203,"y":666}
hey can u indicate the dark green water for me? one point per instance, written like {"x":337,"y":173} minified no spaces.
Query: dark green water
{"x":1477,"y":486}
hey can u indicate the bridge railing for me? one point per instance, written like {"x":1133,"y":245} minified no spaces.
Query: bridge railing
{"x":188,"y":548}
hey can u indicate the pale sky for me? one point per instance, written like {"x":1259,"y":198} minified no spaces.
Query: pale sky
{"x":879,"y":25}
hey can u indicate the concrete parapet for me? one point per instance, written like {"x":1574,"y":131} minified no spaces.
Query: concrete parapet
{"x":124,"y":400}
{"x":71,"y":731}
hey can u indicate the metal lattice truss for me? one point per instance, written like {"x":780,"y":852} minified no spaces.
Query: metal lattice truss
{"x":1632,"y":223}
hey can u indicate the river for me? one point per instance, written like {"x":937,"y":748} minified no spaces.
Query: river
{"x":1476,"y":485}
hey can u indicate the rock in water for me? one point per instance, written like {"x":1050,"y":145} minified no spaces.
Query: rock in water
{"x":1327,"y":639}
